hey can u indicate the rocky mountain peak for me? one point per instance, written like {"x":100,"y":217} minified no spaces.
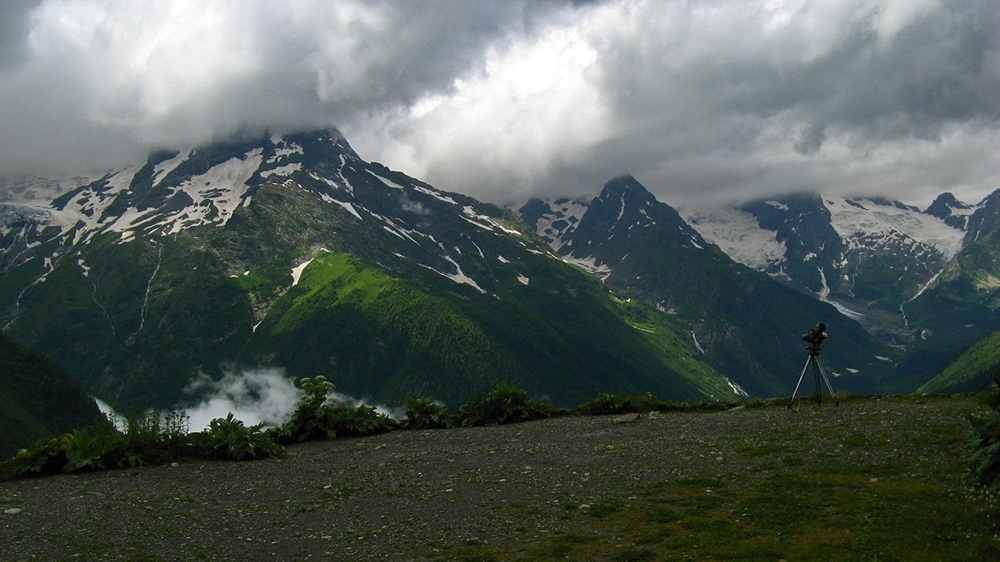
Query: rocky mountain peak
{"x":627,"y":193}
{"x":984,"y":220}
{"x":953,"y":212}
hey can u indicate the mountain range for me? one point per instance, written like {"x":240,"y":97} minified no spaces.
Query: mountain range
{"x":920,"y":282}
{"x":744,"y":323}
{"x":293,"y":252}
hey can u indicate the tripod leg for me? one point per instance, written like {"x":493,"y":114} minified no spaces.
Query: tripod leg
{"x":826,"y":379}
{"x":799,"y":384}
{"x":816,"y":386}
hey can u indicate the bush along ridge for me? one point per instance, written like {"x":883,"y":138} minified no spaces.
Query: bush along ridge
{"x":985,"y":462}
{"x":149,"y":438}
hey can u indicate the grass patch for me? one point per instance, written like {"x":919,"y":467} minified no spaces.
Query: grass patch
{"x":813,"y":517}
{"x":805,"y":500}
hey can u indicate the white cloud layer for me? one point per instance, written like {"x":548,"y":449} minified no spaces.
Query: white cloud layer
{"x":503,"y":99}
{"x":263,"y":395}
{"x":253,"y":396}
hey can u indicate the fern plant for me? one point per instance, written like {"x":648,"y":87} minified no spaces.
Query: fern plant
{"x":360,"y":421}
{"x":312,"y":417}
{"x":605,"y":404}
{"x":422,"y":413}
{"x":985,"y":461}
{"x":41,"y":456}
{"x":229,"y":439}
{"x":504,"y":404}
{"x":94,"y":448}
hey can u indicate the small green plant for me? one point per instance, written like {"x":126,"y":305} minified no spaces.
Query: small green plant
{"x":95,"y":448}
{"x":605,"y":404}
{"x":312,"y":418}
{"x":504,"y":404}
{"x":229,"y":439}
{"x":152,"y":438}
{"x":648,"y":402}
{"x":985,"y":461}
{"x":360,"y":421}
{"x":634,"y":554}
{"x":422,"y":413}
{"x":42,"y":456}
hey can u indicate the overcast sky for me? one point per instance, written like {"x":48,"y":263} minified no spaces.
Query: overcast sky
{"x":699,"y":99}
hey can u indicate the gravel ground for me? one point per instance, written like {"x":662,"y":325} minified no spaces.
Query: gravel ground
{"x":408,"y":494}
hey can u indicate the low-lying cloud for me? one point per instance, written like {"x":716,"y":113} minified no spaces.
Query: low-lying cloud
{"x":260,"y":395}
{"x":254,"y":396}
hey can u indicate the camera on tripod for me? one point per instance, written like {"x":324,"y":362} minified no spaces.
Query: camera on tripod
{"x":815,"y":336}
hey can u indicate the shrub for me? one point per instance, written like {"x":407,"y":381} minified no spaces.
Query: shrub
{"x":985,"y":461}
{"x":318,"y":417}
{"x":96,"y":447}
{"x":228,"y":438}
{"x":41,"y":456}
{"x":147,"y":438}
{"x":153,"y":439}
{"x":702,"y":406}
{"x":312,"y":418}
{"x":605,"y":404}
{"x":360,"y":421}
{"x":422,"y":413}
{"x":648,"y":402}
{"x":504,"y":404}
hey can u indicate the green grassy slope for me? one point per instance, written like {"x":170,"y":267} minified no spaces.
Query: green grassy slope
{"x":387,"y":337}
{"x":36,"y":398}
{"x":970,"y":371}
{"x":961,"y":308}
{"x":748,"y":324}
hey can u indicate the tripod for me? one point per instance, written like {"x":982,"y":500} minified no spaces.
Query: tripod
{"x":818,"y":371}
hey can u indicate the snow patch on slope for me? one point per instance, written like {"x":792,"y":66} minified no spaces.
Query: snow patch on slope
{"x":737,"y":389}
{"x":850,"y":217}
{"x":285,"y":170}
{"x":435,"y":194}
{"x":222,"y":187}
{"x":565,"y":215}
{"x":161,"y":170}
{"x":87,"y":207}
{"x":590,"y":265}
{"x":458,"y":277}
{"x":297,"y":270}
{"x":283,"y":149}
{"x":349,"y":207}
{"x":739,"y":235}
{"x":386,"y":181}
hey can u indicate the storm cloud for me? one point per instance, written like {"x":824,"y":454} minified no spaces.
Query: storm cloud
{"x":700,"y":100}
